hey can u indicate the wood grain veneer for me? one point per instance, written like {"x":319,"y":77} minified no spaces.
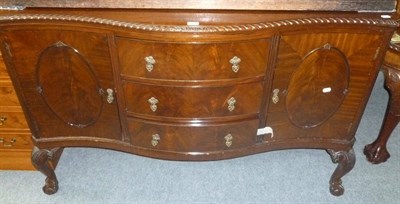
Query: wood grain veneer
{"x":149,"y":83}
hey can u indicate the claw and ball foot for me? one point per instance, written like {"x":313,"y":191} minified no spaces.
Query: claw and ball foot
{"x":346,"y":161}
{"x":45,"y":161}
{"x":377,"y":152}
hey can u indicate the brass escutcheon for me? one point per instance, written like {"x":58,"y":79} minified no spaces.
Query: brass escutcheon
{"x":150,"y":61}
{"x":235,"y":63}
{"x":275,"y":97}
{"x":155,"y":139}
{"x":228,"y":140}
{"x":153,"y":103}
{"x":110,"y":95}
{"x":231,"y":104}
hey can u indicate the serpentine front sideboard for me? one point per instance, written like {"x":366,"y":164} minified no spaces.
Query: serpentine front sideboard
{"x":193,"y":84}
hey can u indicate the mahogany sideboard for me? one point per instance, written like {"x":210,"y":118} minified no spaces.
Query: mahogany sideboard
{"x":193,"y":84}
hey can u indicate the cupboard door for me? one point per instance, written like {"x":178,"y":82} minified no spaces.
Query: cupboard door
{"x":321,"y":84}
{"x":66,"y":80}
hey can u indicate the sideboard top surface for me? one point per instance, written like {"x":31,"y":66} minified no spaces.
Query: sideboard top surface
{"x":321,"y":5}
{"x":179,"y":17}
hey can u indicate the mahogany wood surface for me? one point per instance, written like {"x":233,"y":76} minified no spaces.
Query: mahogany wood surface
{"x":338,"y":5}
{"x":160,"y":88}
{"x":177,"y":64}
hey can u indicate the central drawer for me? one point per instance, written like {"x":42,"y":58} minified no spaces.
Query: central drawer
{"x":192,"y":102}
{"x":186,"y":138}
{"x":192,"y":61}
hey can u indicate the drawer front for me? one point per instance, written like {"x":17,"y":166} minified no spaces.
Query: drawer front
{"x":8,"y":96}
{"x":15,"y":141}
{"x":12,"y":120}
{"x":192,"y":61}
{"x":190,"y":102}
{"x":178,"y":138}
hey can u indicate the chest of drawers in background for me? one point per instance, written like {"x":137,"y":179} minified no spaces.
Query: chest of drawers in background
{"x":15,"y":137}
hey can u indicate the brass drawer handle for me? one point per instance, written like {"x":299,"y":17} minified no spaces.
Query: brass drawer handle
{"x":2,"y":119}
{"x":228,"y":140}
{"x":153,"y":103}
{"x":155,"y":139}
{"x":275,"y":97}
{"x":109,"y":95}
{"x":150,"y":61}
{"x":8,"y":144}
{"x":235,"y":63}
{"x":231,"y":104}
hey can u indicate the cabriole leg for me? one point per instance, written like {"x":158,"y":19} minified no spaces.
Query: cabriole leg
{"x":42,"y":159}
{"x":376,"y":152}
{"x":346,"y":161}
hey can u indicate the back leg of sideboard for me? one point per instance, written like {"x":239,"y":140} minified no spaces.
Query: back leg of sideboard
{"x":376,"y":152}
{"x":45,"y":160}
{"x":346,"y":161}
